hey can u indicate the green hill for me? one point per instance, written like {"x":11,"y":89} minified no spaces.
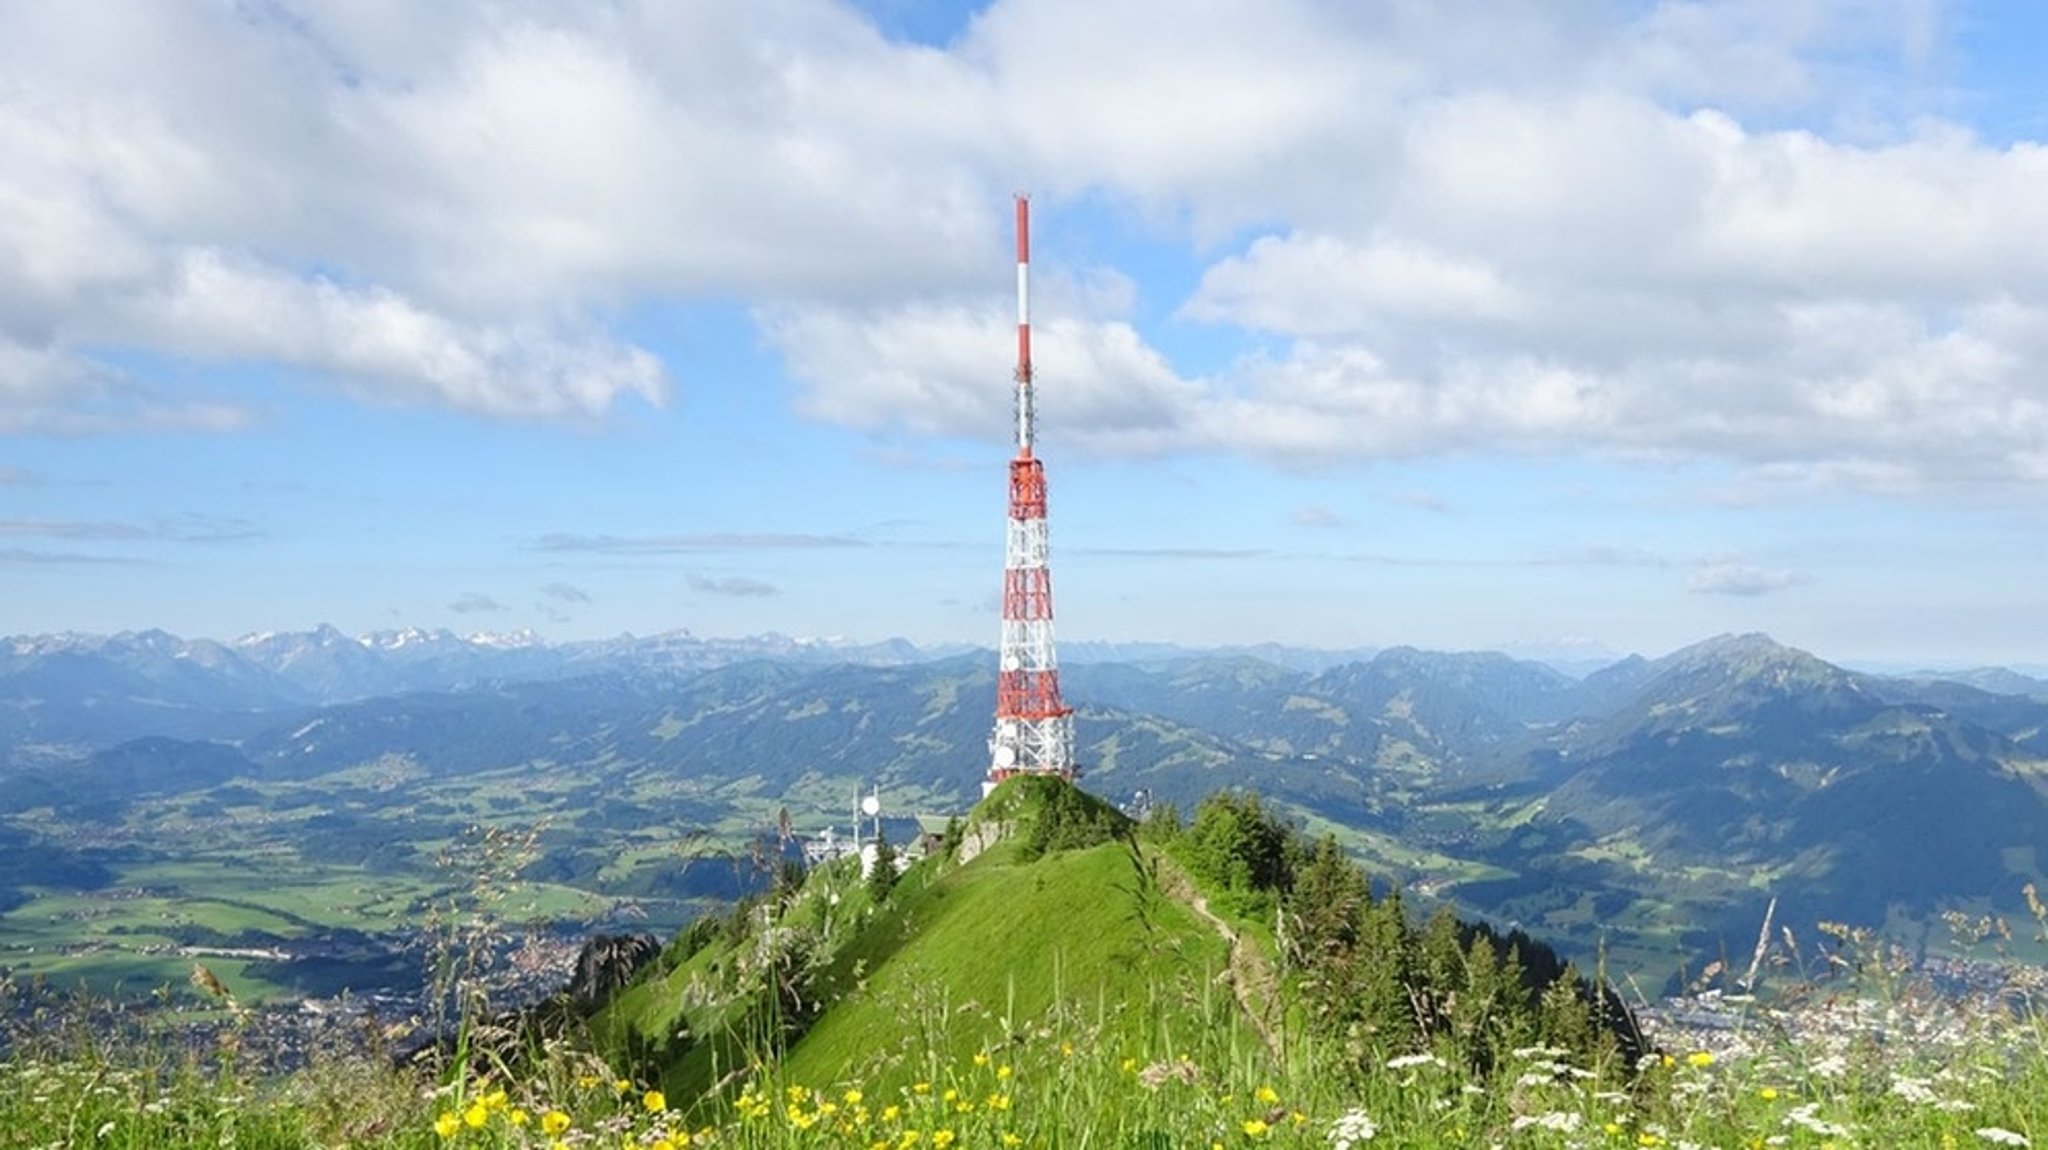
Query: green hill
{"x":970,"y":951}
{"x":1051,"y":922}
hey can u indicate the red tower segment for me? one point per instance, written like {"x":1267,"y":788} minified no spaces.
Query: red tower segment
{"x":1034,"y":732}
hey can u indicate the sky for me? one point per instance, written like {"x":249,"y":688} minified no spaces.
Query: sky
{"x":1549,"y":326}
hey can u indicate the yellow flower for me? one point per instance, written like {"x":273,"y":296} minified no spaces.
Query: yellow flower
{"x":495,"y":1100}
{"x":921,"y":1088}
{"x":1266,"y":1095}
{"x":475,"y":1116}
{"x":942,"y":1139}
{"x":553,"y":1123}
{"x":1768,"y":1094}
{"x":853,"y":1097}
{"x":1611,"y":1129}
{"x":586,"y":1081}
{"x":999,"y":1102}
{"x":908,"y":1139}
{"x":1010,"y":1139}
{"x":621,"y":1086}
{"x":1298,"y":1119}
{"x":1130,"y":1066}
{"x":951,"y":1095}
{"x":654,"y":1101}
{"x":795,"y":1093}
{"x":1066,"y":1050}
{"x":1700,"y":1058}
{"x":663,"y":1144}
{"x":518,"y":1117}
{"x":1002,"y":1072}
{"x":1255,"y":1128}
{"x":981,"y":1058}
{"x":447,"y":1124}
{"x":1648,"y":1139}
{"x":891,"y":1112}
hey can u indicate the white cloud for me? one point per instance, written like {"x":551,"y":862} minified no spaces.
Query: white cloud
{"x":1540,"y":230}
{"x":1358,"y":288}
{"x":939,"y":369}
{"x":1742,"y":579}
{"x":384,"y":346}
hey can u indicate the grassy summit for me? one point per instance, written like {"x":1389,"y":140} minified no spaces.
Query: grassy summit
{"x":1049,"y":911}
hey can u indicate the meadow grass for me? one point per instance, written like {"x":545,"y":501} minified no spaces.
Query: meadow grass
{"x":1064,"y":1079}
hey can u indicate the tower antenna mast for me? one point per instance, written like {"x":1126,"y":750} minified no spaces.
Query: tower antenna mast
{"x":1034,"y":731}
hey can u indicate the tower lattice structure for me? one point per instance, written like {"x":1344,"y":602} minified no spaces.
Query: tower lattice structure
{"x":1034,"y":732}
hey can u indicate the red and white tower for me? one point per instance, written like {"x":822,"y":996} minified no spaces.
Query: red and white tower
{"x":1034,"y":729}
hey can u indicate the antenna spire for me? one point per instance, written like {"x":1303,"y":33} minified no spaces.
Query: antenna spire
{"x":1034,"y":732}
{"x":1026,"y":417}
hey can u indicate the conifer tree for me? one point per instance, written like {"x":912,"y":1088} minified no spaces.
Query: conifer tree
{"x":882,"y":878}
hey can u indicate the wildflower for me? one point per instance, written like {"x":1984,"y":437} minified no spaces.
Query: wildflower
{"x":942,"y":1139}
{"x":891,"y":1112}
{"x":1066,"y":1050}
{"x":1266,"y":1095}
{"x":981,"y":1058}
{"x":2002,"y":1137}
{"x":1351,"y":1128}
{"x":1768,"y":1094}
{"x":447,"y":1124}
{"x":518,"y":1117}
{"x":1255,"y":1128}
{"x":1700,"y":1058}
{"x":475,"y":1116}
{"x":1130,"y":1066}
{"x":852,"y":1097}
{"x":1562,"y":1121}
{"x":495,"y":1100}
{"x":921,"y":1088}
{"x":998,"y":1102}
{"x":1408,"y":1061}
{"x":1807,"y":1116}
{"x":1002,"y":1073}
{"x":654,"y":1101}
{"x":1010,"y":1139}
{"x":621,"y":1086}
{"x":662,"y":1144}
{"x":553,"y":1123}
{"x":1915,"y":1090}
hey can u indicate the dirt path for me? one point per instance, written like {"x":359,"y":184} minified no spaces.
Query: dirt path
{"x":1251,"y":977}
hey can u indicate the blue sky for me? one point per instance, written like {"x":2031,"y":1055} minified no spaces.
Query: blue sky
{"x":1579,"y":327}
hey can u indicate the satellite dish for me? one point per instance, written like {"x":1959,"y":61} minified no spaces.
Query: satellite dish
{"x":870,"y":806}
{"x":1006,"y":756}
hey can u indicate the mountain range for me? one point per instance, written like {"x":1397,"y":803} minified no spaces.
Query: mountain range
{"x":1652,"y":807}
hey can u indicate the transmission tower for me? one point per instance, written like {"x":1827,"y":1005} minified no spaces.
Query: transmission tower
{"x":1034,"y":732}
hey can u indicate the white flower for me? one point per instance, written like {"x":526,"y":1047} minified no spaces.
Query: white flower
{"x":1807,"y":1116}
{"x":1562,"y":1121}
{"x":1913,"y":1090}
{"x":1833,"y":1066}
{"x":1406,"y":1061}
{"x":1351,"y":1128}
{"x":2002,"y":1137}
